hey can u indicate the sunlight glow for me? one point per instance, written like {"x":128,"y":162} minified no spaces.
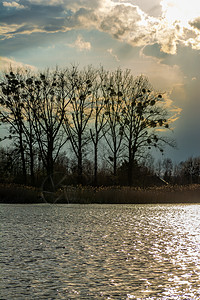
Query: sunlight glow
{"x":180,"y":10}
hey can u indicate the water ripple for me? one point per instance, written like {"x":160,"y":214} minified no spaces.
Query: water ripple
{"x":100,"y":252}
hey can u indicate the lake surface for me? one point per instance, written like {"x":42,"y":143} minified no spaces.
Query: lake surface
{"x":100,"y":252}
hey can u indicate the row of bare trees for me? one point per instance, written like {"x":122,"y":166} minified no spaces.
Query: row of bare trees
{"x":47,"y":112}
{"x":185,"y":172}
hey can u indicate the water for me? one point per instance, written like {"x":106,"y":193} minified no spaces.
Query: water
{"x":100,"y":252}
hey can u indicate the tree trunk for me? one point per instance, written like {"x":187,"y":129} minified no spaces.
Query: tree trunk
{"x":132,"y":152}
{"x":130,"y":166}
{"x":50,"y":162}
{"x":32,"y":163}
{"x":80,"y":168}
{"x":23,"y":159}
{"x":80,"y":162}
{"x":130,"y":173}
{"x":95,"y":164}
{"x":115,"y":164}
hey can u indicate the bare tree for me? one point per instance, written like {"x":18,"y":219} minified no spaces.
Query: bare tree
{"x":84,"y":107}
{"x":34,"y":106}
{"x":79,"y":112}
{"x":159,"y":168}
{"x":190,"y":170}
{"x":168,"y":168}
{"x":98,"y":126}
{"x":12,"y":112}
{"x":143,"y":114}
{"x":111,"y":86}
{"x":48,"y":100}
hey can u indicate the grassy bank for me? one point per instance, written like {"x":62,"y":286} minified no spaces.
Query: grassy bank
{"x":10,"y":193}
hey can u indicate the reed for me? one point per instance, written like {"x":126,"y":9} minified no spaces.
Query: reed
{"x":133,"y":195}
{"x":12,"y":193}
{"x":166,"y":194}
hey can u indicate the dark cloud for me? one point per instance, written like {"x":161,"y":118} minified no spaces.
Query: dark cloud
{"x":22,"y":29}
{"x":196,"y":23}
{"x":38,"y":14}
{"x":125,"y":23}
{"x":41,"y":17}
{"x":119,"y":19}
{"x":53,"y":28}
{"x":82,"y":18}
{"x":77,"y":4}
{"x":136,"y":40}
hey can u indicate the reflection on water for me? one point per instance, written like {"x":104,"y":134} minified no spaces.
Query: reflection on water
{"x":100,"y":252}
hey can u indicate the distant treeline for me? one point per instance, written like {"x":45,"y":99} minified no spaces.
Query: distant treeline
{"x":97,"y":126}
{"x":146,"y":173}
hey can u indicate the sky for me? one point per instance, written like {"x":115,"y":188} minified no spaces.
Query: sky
{"x":157,"y":38}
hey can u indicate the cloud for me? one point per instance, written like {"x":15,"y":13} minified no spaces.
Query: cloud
{"x":46,"y":2}
{"x":177,"y":23}
{"x":13,"y":5}
{"x":112,"y":54}
{"x":6,"y":63}
{"x":195,"y":23}
{"x":179,"y":16}
{"x":152,"y":8}
{"x":128,"y":23}
{"x":80,"y":44}
{"x":6,"y":31}
{"x":181,"y":11}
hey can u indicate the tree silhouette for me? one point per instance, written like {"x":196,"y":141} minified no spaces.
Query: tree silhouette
{"x":83,"y":108}
{"x":111,"y":88}
{"x":79,"y":112}
{"x":49,"y":100}
{"x":12,"y":112}
{"x":98,"y":127}
{"x":143,"y":114}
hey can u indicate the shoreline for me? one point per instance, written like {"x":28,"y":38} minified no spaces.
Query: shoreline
{"x":169,"y":194}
